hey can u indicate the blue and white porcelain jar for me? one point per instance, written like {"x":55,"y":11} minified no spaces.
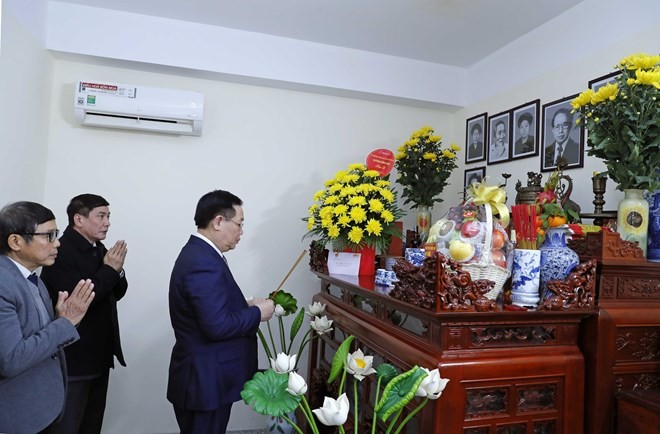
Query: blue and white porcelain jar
{"x":557,"y":259}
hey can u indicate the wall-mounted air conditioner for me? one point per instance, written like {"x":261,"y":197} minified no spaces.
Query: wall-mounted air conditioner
{"x":112,"y":105}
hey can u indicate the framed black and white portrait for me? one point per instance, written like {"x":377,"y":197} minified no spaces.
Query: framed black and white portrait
{"x":562,"y":139}
{"x":472,"y":176}
{"x":475,"y":135}
{"x":525,"y":130}
{"x":599,"y":82}
{"x":499,"y":137}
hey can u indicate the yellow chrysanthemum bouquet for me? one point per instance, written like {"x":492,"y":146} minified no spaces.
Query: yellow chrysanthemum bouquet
{"x":357,"y":208}
{"x":623,"y":121}
{"x":424,"y":166}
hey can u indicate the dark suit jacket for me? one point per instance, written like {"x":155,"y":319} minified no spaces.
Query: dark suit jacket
{"x":519,"y":148}
{"x":475,"y":152}
{"x":32,"y":365}
{"x":99,"y":330}
{"x":571,"y":153}
{"x":216,"y":344}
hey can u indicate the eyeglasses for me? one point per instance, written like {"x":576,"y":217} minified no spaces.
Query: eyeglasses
{"x":240,"y":225}
{"x":563,"y":126}
{"x":52,"y":235}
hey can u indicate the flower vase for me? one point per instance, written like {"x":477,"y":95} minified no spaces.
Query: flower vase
{"x":423,"y":222}
{"x":526,"y":277}
{"x":279,"y":425}
{"x":367,"y":260}
{"x":557,"y":259}
{"x":633,"y":218}
{"x":653,"y":251}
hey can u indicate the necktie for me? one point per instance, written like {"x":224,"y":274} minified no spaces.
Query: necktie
{"x":560,"y":151}
{"x":41,"y":308}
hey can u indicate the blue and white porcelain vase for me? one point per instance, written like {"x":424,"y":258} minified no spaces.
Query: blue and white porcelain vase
{"x":526,"y":277}
{"x":557,"y":259}
{"x":653,"y":252}
{"x":279,"y":425}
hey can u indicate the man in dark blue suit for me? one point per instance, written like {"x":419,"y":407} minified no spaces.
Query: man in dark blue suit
{"x":214,"y":325}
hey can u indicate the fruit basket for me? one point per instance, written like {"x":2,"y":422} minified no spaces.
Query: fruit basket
{"x":470,"y":235}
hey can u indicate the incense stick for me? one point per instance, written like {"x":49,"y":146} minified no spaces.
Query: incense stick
{"x":289,"y":273}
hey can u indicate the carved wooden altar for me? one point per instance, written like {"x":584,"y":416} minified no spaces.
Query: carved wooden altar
{"x":510,"y":372}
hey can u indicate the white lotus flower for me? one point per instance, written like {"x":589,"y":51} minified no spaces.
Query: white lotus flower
{"x":279,"y":310}
{"x":321,"y":324}
{"x":359,"y":365}
{"x":297,"y":385}
{"x":316,"y":309}
{"x":284,"y":363}
{"x":432,"y":385}
{"x":333,"y":412}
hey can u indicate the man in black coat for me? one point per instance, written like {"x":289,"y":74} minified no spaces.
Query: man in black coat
{"x":82,"y":256}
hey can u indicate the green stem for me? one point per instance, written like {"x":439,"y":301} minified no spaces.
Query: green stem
{"x":298,"y":430}
{"x":394,"y":419}
{"x":341,"y":430}
{"x":270,"y":332}
{"x":341,"y":383}
{"x":302,"y":345}
{"x":264,"y":344}
{"x":307,"y":411}
{"x":375,"y":417}
{"x":411,"y":415}
{"x":355,"y":407}
{"x":281,"y":323}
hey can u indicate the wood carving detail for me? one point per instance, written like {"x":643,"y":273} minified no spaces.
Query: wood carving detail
{"x":639,"y":288}
{"x":637,"y":382}
{"x":607,"y":287}
{"x":537,"y":398}
{"x":576,"y":291}
{"x":486,"y":402}
{"x":318,"y":257}
{"x":443,"y":281}
{"x":606,"y":245}
{"x":638,"y":345}
{"x":510,"y":336}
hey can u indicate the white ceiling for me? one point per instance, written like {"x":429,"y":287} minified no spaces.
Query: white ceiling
{"x":450,"y":32}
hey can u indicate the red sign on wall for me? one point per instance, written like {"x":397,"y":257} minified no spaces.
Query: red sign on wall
{"x":381,"y":160}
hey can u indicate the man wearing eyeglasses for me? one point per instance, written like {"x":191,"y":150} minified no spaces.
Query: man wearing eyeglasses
{"x":563,"y":148}
{"x":82,"y":255}
{"x":215,"y":327}
{"x":32,"y":333}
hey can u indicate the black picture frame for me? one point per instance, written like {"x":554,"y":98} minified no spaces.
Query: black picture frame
{"x":525,"y":119}
{"x":601,"y":81}
{"x":499,"y":153}
{"x":573,"y":143}
{"x":474,"y":174}
{"x":478,"y":152}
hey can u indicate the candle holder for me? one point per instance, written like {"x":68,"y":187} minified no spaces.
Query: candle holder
{"x":600,"y":217}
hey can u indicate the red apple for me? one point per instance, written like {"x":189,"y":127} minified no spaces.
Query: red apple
{"x":498,"y":239}
{"x":470,"y":228}
{"x":498,"y":258}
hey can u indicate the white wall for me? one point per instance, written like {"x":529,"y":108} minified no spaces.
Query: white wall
{"x":25,"y":76}
{"x":273,"y":148}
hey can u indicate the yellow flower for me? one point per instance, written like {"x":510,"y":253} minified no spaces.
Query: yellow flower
{"x":376,"y":206}
{"x":351,"y":177}
{"x":371,"y":174}
{"x":326,"y":212}
{"x":387,"y":195}
{"x":358,"y":214}
{"x":640,"y":61}
{"x":340,"y":209}
{"x":319,"y":195}
{"x":382,"y":183}
{"x":582,"y":99}
{"x":334,"y":188}
{"x":326,"y":222}
{"x":609,"y":91}
{"x":357,"y":166}
{"x":313,"y":208}
{"x":310,"y":223}
{"x":435,"y":138}
{"x":347,"y":191}
{"x":357,"y":200}
{"x":330,"y":200}
{"x":447,"y":153}
{"x":355,"y":235}
{"x":344,"y":220}
{"x":649,"y":78}
{"x":333,"y":231}
{"x":455,"y":147}
{"x":400,"y":156}
{"x":430,"y":156}
{"x":387,"y":216}
{"x":374,"y":227}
